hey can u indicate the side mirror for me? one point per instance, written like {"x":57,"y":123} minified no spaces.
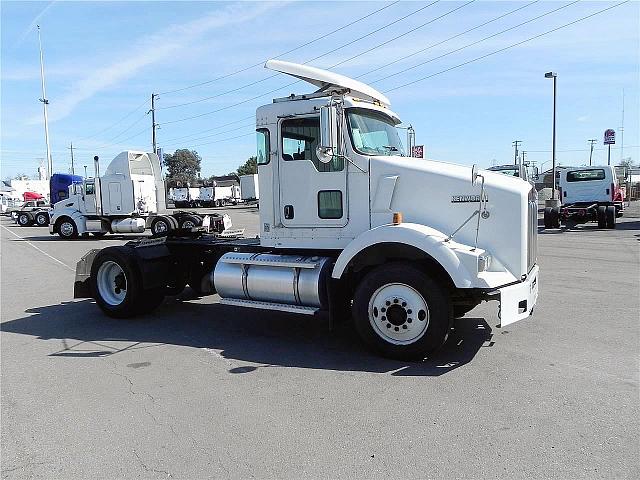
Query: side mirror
{"x":536,"y":173}
{"x":474,"y":174}
{"x":328,"y":145}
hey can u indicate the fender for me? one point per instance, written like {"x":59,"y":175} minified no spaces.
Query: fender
{"x":75,"y":215}
{"x":458,"y":260}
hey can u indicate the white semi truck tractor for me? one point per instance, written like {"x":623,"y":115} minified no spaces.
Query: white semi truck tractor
{"x":348,"y":225}
{"x":128,"y":198}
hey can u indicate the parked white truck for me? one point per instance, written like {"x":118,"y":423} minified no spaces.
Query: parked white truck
{"x":347,"y":224}
{"x":587,"y":193}
{"x":128,"y":198}
{"x":249,"y":187}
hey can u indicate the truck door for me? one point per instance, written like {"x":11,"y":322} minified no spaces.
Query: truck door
{"x":90,"y":198}
{"x":115,"y":198}
{"x":312,"y":193}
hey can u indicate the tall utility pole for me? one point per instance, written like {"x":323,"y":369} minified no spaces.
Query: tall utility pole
{"x":73,"y":171}
{"x":591,"y":141}
{"x":153,"y":121}
{"x":554,"y":202}
{"x":45,"y":102}
{"x":622,"y":130}
{"x":515,"y":156}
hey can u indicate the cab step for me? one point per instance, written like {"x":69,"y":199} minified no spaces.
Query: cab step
{"x":280,"y":307}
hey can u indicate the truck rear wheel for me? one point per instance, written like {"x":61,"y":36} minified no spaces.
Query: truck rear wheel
{"x":24,"y":219}
{"x":602,"y":216}
{"x":42,"y":219}
{"x":116,"y":284}
{"x":611,"y":216}
{"x":401,"y":312}
{"x":160,"y":225}
{"x":188,"y":222}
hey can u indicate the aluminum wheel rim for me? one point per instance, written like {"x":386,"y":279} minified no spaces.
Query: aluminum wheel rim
{"x":161,"y":226}
{"x":112,"y":283}
{"x":41,"y":219}
{"x":188,"y":224}
{"x":23,"y":219}
{"x":66,"y":228}
{"x":398,"y":314}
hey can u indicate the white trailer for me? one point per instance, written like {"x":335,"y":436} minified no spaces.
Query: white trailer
{"x":128,"y":198}
{"x":249,"y":187}
{"x":349,"y":225}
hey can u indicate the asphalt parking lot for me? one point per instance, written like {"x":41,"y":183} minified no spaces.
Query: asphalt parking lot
{"x":202,"y":390}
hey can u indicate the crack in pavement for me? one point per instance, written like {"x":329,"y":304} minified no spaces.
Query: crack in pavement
{"x":148,"y":469}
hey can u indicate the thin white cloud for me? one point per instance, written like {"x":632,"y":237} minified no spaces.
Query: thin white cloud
{"x":34,"y":22}
{"x":150,"y":50}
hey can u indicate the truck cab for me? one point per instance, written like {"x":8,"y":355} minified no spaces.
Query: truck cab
{"x":349,"y":225}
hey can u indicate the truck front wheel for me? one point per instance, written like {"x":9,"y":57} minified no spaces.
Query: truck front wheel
{"x":401,"y":312}
{"x":67,"y":228}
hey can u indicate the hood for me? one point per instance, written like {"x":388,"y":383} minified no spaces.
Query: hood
{"x":442,"y":195}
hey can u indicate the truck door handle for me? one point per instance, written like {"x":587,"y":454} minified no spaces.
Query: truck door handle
{"x":288,"y":212}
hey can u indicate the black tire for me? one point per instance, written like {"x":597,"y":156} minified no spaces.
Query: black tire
{"x":412,"y":281}
{"x":42,"y":219}
{"x":555,"y":218}
{"x":161,"y":225}
{"x":602,"y":216}
{"x":188,"y":222}
{"x":611,"y":216}
{"x":66,"y":228}
{"x":98,"y":234}
{"x":136,"y":300}
{"x":24,"y":219}
{"x":174,"y":223}
{"x":547,"y":217}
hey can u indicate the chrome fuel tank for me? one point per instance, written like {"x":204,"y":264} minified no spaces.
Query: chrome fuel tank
{"x":288,"y":279}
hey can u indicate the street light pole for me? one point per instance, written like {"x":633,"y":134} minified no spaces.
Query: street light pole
{"x":591,"y":141}
{"x":554,"y":201}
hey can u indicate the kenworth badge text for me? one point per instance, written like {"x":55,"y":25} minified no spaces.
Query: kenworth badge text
{"x":348,"y":224}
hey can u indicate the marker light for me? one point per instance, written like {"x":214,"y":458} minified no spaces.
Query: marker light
{"x":397,"y":218}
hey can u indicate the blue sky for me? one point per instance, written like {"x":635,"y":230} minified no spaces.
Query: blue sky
{"x":104,"y":59}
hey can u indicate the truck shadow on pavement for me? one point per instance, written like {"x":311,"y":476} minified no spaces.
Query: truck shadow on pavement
{"x":264,"y":339}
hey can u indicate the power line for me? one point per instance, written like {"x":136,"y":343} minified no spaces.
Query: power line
{"x":214,"y":134}
{"x":209,"y":129}
{"x":192,"y":102}
{"x":506,"y":48}
{"x":281,"y":54}
{"x":192,"y":117}
{"x":404,"y":34}
{"x":114,"y":124}
{"x":450,"y":38}
{"x":475,"y":43}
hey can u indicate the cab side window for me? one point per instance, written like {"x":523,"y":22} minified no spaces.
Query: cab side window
{"x":300,"y":138}
{"x":90,"y":189}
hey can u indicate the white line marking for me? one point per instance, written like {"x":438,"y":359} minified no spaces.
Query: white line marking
{"x":40,"y":250}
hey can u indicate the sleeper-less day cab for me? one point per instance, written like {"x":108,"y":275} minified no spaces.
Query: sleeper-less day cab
{"x":347,"y":224}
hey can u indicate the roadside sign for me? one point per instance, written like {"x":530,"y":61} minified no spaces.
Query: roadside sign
{"x":417,"y":151}
{"x":609,"y":137}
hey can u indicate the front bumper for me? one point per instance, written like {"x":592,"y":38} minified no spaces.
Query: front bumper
{"x":517,"y":301}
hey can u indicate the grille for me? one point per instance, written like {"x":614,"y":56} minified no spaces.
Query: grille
{"x":532,"y":230}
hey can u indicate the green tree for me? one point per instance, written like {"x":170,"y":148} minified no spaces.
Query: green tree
{"x":249,"y":167}
{"x":183,"y":165}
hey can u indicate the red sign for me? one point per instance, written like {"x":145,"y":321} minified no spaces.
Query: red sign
{"x":417,"y":151}
{"x":609,"y":137}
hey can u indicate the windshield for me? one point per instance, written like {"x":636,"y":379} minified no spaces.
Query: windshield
{"x":373,"y":133}
{"x":512,"y":172}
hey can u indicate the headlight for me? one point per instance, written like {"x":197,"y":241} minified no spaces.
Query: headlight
{"x":484,"y":262}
